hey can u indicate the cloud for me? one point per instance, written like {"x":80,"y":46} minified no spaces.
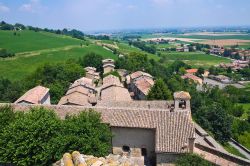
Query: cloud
{"x":4,"y":8}
{"x":34,"y":6}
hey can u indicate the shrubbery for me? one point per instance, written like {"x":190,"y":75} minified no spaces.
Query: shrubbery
{"x":4,"y":53}
{"x":192,"y":160}
{"x":39,"y":137}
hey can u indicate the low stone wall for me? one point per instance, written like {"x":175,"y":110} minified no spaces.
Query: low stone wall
{"x":77,"y":159}
{"x":219,"y":157}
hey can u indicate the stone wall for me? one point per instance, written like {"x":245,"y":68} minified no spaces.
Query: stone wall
{"x":219,"y":157}
{"x":165,"y":159}
{"x":140,"y":142}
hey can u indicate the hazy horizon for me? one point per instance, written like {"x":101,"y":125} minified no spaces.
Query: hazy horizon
{"x":99,"y":15}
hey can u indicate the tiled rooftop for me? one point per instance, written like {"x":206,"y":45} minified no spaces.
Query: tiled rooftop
{"x":34,"y":95}
{"x":173,"y":129}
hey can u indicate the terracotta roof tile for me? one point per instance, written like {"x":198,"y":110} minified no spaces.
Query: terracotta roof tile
{"x":144,"y":85}
{"x":172,"y":129}
{"x":182,"y":95}
{"x":74,"y":98}
{"x":34,"y":95}
{"x":192,"y":71}
{"x":138,"y":74}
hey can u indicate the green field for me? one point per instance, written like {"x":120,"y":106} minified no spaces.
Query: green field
{"x":31,"y":41}
{"x":241,"y":37}
{"x":195,"y":59}
{"x":34,"y":49}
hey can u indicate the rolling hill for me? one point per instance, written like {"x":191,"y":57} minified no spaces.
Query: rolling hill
{"x":33,"y":49}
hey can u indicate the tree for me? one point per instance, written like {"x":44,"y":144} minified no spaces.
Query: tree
{"x":182,"y":71}
{"x":219,"y":122}
{"x":28,"y":140}
{"x":159,"y":91}
{"x":200,"y":71}
{"x":57,"y":77}
{"x":133,"y":62}
{"x":92,"y":60}
{"x":212,"y":70}
{"x":6,"y":117}
{"x":85,"y":133}
{"x":39,"y":137}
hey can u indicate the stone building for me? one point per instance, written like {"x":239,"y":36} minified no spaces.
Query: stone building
{"x":92,"y":74}
{"x":113,"y":90}
{"x":108,"y":65}
{"x":155,"y":130}
{"x":81,"y":92}
{"x":139,"y":83}
{"x":36,"y":95}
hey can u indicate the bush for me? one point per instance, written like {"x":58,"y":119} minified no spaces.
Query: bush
{"x":92,"y":60}
{"x":4,"y":53}
{"x":84,"y":133}
{"x":6,"y":116}
{"x":192,"y":160}
{"x":159,"y":91}
{"x":27,"y":140}
{"x":57,"y":77}
{"x":39,"y":137}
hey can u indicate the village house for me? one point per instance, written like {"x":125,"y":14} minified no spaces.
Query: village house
{"x":81,"y":92}
{"x":108,"y":65}
{"x":139,"y":83}
{"x":185,"y":48}
{"x":217,"y":50}
{"x":196,"y":79}
{"x":180,"y":49}
{"x":159,"y":131}
{"x":191,"y":71}
{"x":245,"y":55}
{"x":36,"y":95}
{"x":113,"y":90}
{"x":92,"y":74}
{"x":155,"y":132}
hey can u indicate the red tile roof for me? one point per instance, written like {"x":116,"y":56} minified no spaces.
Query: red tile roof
{"x":191,"y":71}
{"x":34,"y":95}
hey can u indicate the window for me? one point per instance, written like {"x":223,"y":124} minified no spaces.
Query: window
{"x":144,"y":152}
{"x":182,"y":104}
{"x":126,"y":148}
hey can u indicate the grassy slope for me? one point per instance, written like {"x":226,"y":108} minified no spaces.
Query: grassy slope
{"x":34,"y":49}
{"x":30,"y":41}
{"x":232,"y":150}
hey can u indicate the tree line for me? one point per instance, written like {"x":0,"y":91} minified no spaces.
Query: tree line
{"x":73,"y":33}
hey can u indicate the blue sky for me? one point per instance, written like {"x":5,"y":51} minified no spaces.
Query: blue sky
{"x":125,"y":14}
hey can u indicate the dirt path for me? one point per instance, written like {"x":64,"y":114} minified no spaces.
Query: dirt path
{"x":38,"y":52}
